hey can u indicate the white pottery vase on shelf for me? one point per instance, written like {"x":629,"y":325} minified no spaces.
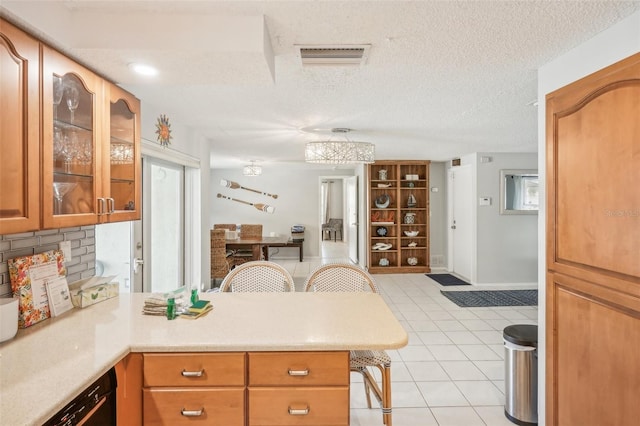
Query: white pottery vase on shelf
{"x":382,"y":174}
{"x":409,"y":218}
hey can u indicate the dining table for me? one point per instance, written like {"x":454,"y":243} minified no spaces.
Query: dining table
{"x":260,"y":246}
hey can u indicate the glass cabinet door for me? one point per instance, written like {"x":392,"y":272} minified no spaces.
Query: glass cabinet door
{"x":70,"y":157}
{"x":123,"y":156}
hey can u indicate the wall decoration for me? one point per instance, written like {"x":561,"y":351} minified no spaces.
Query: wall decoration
{"x":163,"y":130}
{"x":235,"y":185}
{"x":259,"y":206}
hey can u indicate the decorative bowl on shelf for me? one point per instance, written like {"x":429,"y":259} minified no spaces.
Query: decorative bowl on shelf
{"x":411,"y":233}
{"x":381,"y":231}
{"x":382,"y":202}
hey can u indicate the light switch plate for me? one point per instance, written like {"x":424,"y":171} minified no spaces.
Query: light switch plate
{"x":65,"y":246}
{"x":485,"y":201}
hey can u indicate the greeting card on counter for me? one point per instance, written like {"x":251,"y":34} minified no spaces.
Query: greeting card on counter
{"x":59,"y":296}
{"x":29,"y":275}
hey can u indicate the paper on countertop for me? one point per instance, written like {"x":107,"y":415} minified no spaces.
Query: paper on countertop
{"x":91,"y":282}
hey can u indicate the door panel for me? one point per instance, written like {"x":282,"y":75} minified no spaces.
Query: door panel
{"x":351,"y":225}
{"x":593,"y":249}
{"x":163,"y":225}
{"x":461,"y":222}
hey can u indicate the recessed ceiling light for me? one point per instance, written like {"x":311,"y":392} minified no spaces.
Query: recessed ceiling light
{"x":143,"y":69}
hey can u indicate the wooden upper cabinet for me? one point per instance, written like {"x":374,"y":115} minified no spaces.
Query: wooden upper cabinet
{"x":91,"y":147}
{"x":121,"y":184}
{"x":71,"y":127}
{"x":593,"y":249}
{"x":19,"y":131}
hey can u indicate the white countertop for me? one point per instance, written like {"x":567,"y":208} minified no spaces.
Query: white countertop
{"x":48,"y":364}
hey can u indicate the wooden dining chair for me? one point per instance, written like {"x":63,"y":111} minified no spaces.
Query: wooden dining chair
{"x":345,"y":277}
{"x":247,"y":232}
{"x":258,"y":276}
{"x":221,"y":258}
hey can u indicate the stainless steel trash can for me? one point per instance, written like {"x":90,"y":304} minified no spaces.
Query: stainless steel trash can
{"x":521,"y":373}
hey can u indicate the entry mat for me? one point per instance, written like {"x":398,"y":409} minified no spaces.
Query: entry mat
{"x":484,"y":298}
{"x":447,"y":279}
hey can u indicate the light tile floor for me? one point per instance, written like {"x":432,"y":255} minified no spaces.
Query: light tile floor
{"x":452,"y":371}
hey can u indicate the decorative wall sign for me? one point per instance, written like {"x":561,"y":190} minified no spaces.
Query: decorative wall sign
{"x":259,"y":206}
{"x":235,"y":185}
{"x":163,"y":130}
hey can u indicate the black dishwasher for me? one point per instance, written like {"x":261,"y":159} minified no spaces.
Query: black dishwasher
{"x":95,"y":406}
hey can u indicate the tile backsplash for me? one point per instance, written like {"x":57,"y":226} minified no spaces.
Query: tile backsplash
{"x":83,"y":251}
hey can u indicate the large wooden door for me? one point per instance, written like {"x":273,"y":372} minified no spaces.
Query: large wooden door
{"x":593,"y":249}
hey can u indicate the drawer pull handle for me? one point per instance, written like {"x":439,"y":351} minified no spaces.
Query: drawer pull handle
{"x":298,"y":411}
{"x":192,"y":373}
{"x":299,"y":372}
{"x":192,"y":413}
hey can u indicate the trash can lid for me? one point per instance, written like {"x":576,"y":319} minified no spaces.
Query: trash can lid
{"x":521,"y":334}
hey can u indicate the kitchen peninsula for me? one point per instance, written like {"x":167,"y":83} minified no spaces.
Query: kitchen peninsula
{"x":46,"y":365}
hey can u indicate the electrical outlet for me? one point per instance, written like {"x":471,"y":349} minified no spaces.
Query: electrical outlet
{"x":65,"y":246}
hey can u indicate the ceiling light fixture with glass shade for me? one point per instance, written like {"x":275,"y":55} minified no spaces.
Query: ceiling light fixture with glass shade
{"x":339,"y":152}
{"x":252,"y":169}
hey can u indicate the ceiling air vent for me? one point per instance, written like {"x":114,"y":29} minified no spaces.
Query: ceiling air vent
{"x":344,"y":54}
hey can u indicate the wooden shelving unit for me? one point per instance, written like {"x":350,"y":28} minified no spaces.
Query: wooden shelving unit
{"x":406,"y":188}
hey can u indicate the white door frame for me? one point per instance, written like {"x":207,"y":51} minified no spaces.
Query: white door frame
{"x":351,"y":226}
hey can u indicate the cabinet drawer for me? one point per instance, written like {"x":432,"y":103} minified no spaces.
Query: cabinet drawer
{"x":299,"y":406}
{"x":218,"y":369}
{"x":298,"y":368}
{"x":207,"y":406}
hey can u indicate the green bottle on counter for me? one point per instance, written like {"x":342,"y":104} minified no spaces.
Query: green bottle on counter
{"x":171,"y":308}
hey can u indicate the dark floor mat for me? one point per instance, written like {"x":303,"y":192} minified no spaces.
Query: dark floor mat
{"x":484,"y":298}
{"x":447,"y":279}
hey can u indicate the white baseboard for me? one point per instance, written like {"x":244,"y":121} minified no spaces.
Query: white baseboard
{"x":438,"y":269}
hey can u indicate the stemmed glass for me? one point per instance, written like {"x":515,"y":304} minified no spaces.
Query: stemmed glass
{"x":58,"y":89}
{"x":60,"y":189}
{"x":73,"y":97}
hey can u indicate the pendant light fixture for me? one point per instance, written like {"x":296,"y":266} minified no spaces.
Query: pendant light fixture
{"x":252,"y":169}
{"x":338,"y":152}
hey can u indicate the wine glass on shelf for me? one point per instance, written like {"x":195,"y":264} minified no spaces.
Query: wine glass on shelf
{"x":58,"y":90}
{"x":60,"y":189}
{"x":73,"y":98}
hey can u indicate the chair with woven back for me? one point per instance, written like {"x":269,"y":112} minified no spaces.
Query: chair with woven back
{"x":228,"y":226}
{"x":247,"y":232}
{"x":258,"y":276}
{"x":221,"y":260}
{"x":345,"y":277}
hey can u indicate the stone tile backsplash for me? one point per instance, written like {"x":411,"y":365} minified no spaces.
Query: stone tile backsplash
{"x":83,"y":251}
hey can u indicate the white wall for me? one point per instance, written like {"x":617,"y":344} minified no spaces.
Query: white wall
{"x":504,"y":248}
{"x":610,"y":46}
{"x":506,"y":244}
{"x":298,"y":201}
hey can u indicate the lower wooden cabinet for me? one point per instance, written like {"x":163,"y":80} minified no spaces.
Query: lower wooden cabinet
{"x":206,"y":388}
{"x":317,"y":406}
{"x":254,"y":389}
{"x":298,"y":388}
{"x":200,"y":405}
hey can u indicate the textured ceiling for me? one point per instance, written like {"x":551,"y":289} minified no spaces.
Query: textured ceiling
{"x":443,"y":78}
